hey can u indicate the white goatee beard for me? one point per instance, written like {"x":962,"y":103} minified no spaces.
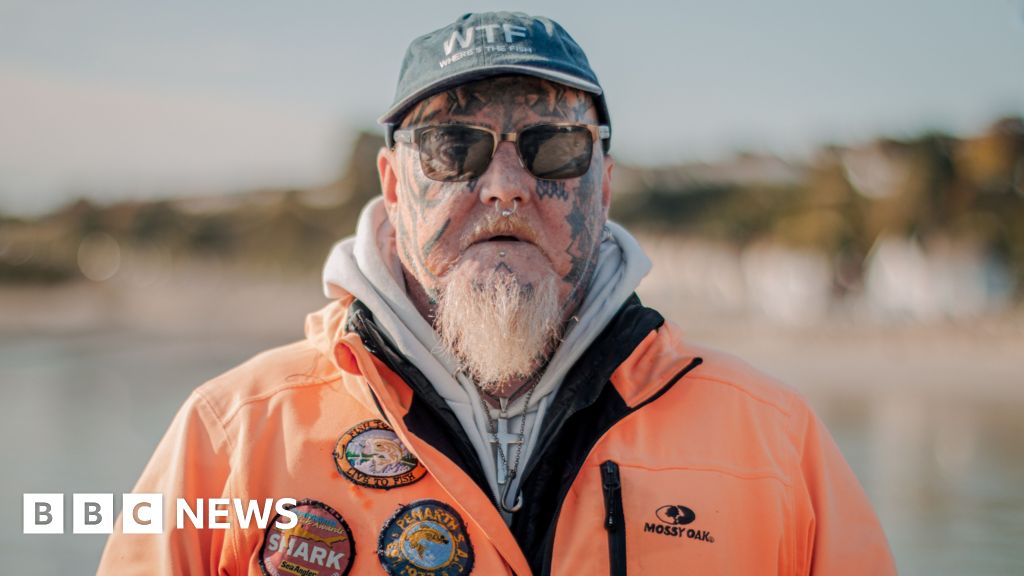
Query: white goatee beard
{"x":498,"y":329}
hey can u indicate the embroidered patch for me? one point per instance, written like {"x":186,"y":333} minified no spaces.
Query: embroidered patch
{"x":425,"y":537}
{"x":370,"y":454}
{"x":319,"y":543}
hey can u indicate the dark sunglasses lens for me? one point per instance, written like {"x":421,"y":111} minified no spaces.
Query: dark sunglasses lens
{"x":556,"y":152}
{"x":454,"y":153}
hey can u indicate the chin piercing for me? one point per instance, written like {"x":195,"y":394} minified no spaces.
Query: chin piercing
{"x":501,"y":253}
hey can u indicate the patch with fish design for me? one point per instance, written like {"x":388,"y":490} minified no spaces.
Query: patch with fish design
{"x":425,"y":537}
{"x":370,"y":454}
{"x":320,"y":542}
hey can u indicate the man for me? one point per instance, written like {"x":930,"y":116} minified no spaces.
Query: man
{"x":485,"y":393}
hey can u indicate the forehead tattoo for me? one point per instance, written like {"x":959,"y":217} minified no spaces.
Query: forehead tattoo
{"x":507,"y":95}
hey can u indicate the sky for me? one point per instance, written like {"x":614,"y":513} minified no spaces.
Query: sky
{"x":125,"y":99}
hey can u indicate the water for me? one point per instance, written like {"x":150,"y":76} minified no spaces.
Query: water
{"x":943,"y":467}
{"x":83,"y":413}
{"x":947,"y":479}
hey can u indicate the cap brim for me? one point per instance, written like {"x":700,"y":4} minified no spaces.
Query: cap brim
{"x":395,"y":113}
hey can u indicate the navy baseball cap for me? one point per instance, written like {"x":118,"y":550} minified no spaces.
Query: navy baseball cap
{"x":478,"y":46}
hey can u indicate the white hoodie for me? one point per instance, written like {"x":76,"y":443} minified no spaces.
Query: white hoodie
{"x":367,"y":266}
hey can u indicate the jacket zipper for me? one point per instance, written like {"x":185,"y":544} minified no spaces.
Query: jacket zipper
{"x":614,"y":519}
{"x":550,"y":537}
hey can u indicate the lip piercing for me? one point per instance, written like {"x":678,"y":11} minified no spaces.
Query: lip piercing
{"x":501,"y":253}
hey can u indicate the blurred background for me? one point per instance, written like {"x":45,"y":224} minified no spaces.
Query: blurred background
{"x":833,"y":191}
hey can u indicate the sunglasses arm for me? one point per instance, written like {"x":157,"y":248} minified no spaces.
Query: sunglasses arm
{"x":393,"y":136}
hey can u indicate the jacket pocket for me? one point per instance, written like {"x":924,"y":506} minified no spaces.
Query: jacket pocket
{"x":614,"y":519}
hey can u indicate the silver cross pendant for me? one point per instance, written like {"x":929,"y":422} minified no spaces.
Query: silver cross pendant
{"x":504,"y":439}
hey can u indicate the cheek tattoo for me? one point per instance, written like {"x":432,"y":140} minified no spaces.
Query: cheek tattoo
{"x":552,"y":189}
{"x":434,"y":238}
{"x":582,"y":249}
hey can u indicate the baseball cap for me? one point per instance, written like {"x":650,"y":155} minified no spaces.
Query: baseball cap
{"x":478,"y":46}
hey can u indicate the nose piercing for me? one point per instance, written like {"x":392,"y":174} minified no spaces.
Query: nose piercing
{"x":507,"y":212}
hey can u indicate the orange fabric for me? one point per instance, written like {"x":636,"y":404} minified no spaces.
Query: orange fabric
{"x":769,"y":490}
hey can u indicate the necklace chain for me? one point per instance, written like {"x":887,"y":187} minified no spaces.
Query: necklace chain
{"x":492,"y":425}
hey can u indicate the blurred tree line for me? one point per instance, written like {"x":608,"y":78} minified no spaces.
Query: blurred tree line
{"x":928,"y":188}
{"x":932,"y":188}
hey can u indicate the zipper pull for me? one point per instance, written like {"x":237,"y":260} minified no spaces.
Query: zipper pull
{"x":615,"y":519}
{"x":612,"y":486}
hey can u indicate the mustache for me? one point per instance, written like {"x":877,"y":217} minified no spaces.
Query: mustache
{"x":496,"y":225}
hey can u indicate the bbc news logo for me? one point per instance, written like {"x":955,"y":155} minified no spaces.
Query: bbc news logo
{"x":144,"y":513}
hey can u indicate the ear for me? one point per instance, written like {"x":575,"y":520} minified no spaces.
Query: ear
{"x":606,"y":184}
{"x":386,"y":165}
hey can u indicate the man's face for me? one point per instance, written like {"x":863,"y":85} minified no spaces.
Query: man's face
{"x":444,"y":228}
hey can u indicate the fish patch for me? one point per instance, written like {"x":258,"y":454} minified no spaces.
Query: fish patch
{"x":425,"y":537}
{"x":370,"y":454}
{"x":320,"y":543}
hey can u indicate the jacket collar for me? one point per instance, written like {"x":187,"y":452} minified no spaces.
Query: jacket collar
{"x":637,"y":351}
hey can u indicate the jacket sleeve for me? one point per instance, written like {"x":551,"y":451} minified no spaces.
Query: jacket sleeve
{"x":843,"y":534}
{"x":192,"y":461}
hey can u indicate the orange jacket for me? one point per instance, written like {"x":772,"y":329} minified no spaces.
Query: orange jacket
{"x":671,"y":459}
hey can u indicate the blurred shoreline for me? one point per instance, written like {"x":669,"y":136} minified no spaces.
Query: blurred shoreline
{"x":206,"y":300}
{"x":834,"y":353}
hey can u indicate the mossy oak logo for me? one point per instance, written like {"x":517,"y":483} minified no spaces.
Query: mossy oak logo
{"x":673,"y":521}
{"x":675,"y":515}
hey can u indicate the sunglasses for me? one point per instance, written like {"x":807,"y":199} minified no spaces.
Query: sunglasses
{"x":459,"y":152}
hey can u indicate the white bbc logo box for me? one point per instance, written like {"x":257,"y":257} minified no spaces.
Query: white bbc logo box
{"x":43,"y":514}
{"x":92,"y":513}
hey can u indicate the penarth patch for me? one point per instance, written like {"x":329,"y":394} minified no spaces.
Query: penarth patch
{"x":425,"y":537}
{"x":370,"y":454}
{"x":319,"y":543}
